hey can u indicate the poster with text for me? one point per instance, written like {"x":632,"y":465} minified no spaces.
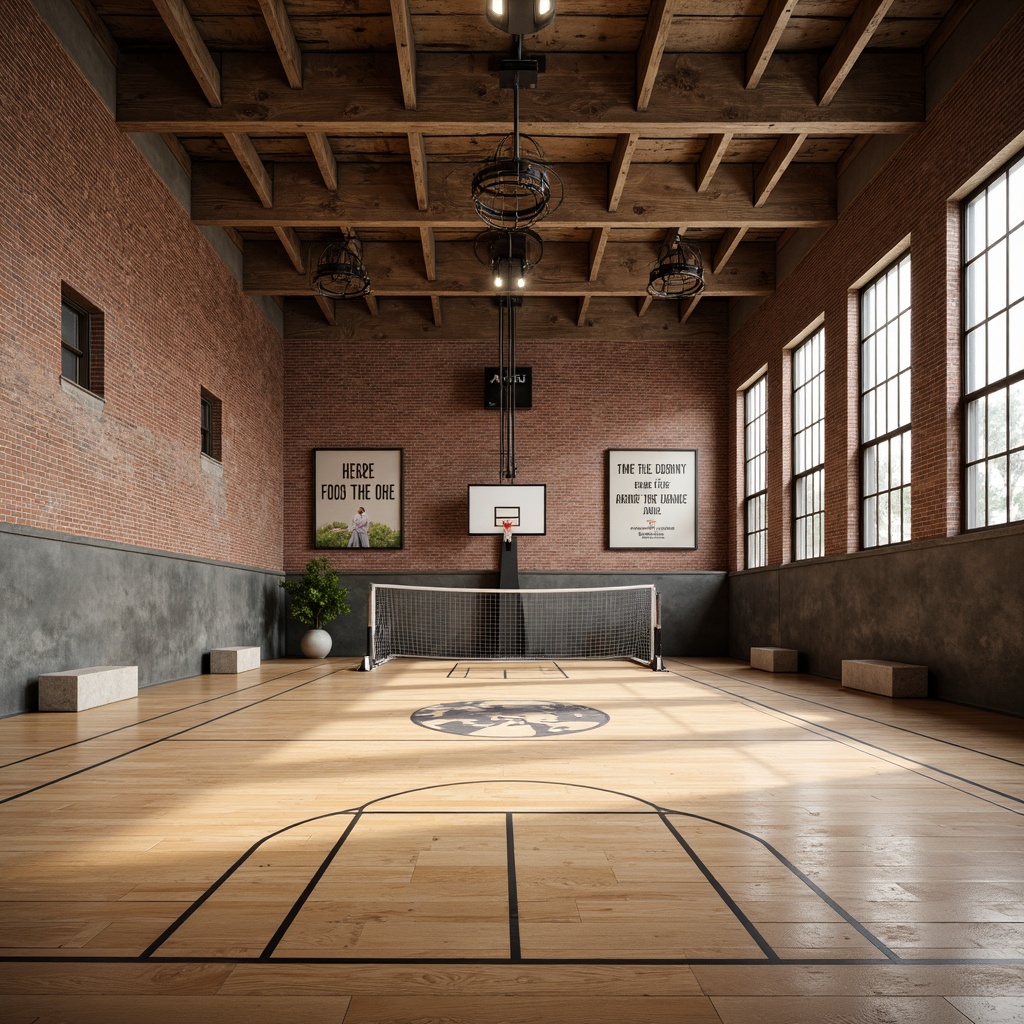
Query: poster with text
{"x":652,"y":498}
{"x":357,"y":500}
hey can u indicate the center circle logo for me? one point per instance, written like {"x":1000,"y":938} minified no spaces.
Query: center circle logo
{"x":509,"y":719}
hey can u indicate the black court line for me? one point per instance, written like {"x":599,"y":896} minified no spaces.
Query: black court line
{"x":864,"y":718}
{"x":515,"y":949}
{"x":849,"y":738}
{"x":153,"y":743}
{"x":154,"y":718}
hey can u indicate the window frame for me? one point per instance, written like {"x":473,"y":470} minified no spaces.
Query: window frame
{"x":812,"y":474}
{"x":896,"y":384}
{"x":758,"y":424}
{"x":1004,"y":317}
{"x":210,"y":416}
{"x":82,"y":349}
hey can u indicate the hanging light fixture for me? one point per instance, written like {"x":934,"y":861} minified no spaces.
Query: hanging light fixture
{"x":678,"y":272}
{"x":520,"y":17}
{"x":339,"y":273}
{"x":510,"y":255}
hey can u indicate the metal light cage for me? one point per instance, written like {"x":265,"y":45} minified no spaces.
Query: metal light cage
{"x":520,"y":17}
{"x":339,"y":272}
{"x":678,"y":273}
{"x":513,"y":191}
{"x":510,"y":255}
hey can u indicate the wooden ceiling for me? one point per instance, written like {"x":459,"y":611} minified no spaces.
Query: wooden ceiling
{"x":729,"y":120}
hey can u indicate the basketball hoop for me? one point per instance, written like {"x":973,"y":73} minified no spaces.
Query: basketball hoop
{"x":506,"y":525}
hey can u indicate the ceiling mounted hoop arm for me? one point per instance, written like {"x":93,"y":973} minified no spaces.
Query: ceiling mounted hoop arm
{"x":510,"y":256}
{"x":678,"y":272}
{"x":339,"y":272}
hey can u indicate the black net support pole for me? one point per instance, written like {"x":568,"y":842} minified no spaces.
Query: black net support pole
{"x":656,"y":661}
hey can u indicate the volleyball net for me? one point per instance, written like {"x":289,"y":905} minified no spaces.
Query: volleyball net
{"x":513,"y":625}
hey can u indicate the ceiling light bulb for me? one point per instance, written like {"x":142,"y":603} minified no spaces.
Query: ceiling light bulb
{"x":497,"y":281}
{"x":543,"y":6}
{"x":497,"y":7}
{"x":521,"y":283}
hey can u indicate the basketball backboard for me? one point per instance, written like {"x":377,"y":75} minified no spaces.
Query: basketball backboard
{"x":523,"y":505}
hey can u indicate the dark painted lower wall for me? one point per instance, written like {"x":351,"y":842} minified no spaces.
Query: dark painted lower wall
{"x":68,"y":602}
{"x":694,"y":605}
{"x":955,"y":605}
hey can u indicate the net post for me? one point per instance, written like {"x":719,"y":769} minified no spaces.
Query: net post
{"x":656,"y":662}
{"x":367,"y":663}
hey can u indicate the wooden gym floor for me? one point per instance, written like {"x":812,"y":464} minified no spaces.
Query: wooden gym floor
{"x":570,"y":842}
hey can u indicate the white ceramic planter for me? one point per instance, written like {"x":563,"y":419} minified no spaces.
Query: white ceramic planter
{"x":316,"y":643}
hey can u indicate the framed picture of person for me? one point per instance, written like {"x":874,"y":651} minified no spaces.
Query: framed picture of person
{"x":652,"y":498}
{"x":357,"y":498}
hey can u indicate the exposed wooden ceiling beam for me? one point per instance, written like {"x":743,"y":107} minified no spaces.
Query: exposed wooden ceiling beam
{"x":472,"y":320}
{"x":378,"y":196}
{"x":726,"y":247}
{"x":766,"y":38}
{"x":643,"y":304}
{"x":883,"y":94}
{"x":418,"y":156}
{"x":179,"y":23}
{"x":771,"y":174}
{"x":276,"y":17}
{"x":320,"y":146}
{"x":688,"y":306}
{"x":581,"y":310}
{"x":564,"y":271}
{"x":405,"y":47}
{"x":371,"y":304}
{"x":329,"y":307}
{"x":857,"y":34}
{"x":598,"y":243}
{"x":710,"y":157}
{"x":435,"y":305}
{"x":289,"y":238}
{"x":259,"y":177}
{"x":652,"y":46}
{"x":619,"y":168}
{"x":429,"y":252}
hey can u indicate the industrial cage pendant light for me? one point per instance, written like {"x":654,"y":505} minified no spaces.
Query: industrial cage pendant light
{"x":339,"y":272}
{"x":678,"y":272}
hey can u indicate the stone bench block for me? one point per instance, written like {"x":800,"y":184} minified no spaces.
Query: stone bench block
{"x":234,"y":659}
{"x":82,"y":688}
{"x":889,"y":678}
{"x":773,"y":659}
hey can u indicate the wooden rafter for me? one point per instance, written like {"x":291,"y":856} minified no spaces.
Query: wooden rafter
{"x":598,"y":243}
{"x":643,"y":304}
{"x":329,"y":307}
{"x":435,"y":306}
{"x":583,"y":304}
{"x":726,"y":247}
{"x":857,"y":34}
{"x":289,"y":238}
{"x":687,"y":307}
{"x":429,"y":252}
{"x":652,"y":46}
{"x":619,"y":168}
{"x":371,"y":304}
{"x":771,"y":174}
{"x":259,"y":177}
{"x":287,"y":47}
{"x":181,"y":26}
{"x":418,"y":157}
{"x":405,"y":46}
{"x":710,"y":158}
{"x":766,"y":38}
{"x":320,"y":146}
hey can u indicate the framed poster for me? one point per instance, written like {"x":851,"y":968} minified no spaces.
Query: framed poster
{"x":357,"y":497}
{"x":652,"y":498}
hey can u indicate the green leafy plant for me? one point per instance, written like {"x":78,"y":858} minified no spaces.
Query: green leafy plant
{"x":317,"y":596}
{"x":332,"y":535}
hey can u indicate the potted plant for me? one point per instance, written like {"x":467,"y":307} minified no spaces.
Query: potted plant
{"x":316,"y":597}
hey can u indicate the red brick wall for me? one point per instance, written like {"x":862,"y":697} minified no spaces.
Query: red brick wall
{"x":967,"y":135}
{"x":427,"y":398}
{"x":80,"y":205}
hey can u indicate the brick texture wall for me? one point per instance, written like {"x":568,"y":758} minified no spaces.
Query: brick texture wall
{"x":80,"y":205}
{"x":427,"y":398}
{"x":970,"y":132}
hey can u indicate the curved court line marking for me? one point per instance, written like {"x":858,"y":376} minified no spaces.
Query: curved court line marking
{"x":872,"y":746}
{"x":662,"y":812}
{"x":155,"y":718}
{"x":855,"y":714}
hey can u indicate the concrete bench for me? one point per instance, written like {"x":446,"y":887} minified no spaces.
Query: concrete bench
{"x":773,"y":659}
{"x":82,"y":688}
{"x":889,"y":678}
{"x":234,"y":659}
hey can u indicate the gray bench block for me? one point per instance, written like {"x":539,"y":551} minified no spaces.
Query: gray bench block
{"x":234,"y":659}
{"x":773,"y":659}
{"x":889,"y":678}
{"x":82,"y":688}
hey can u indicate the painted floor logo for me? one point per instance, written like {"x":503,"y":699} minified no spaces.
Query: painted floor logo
{"x":509,"y":719}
